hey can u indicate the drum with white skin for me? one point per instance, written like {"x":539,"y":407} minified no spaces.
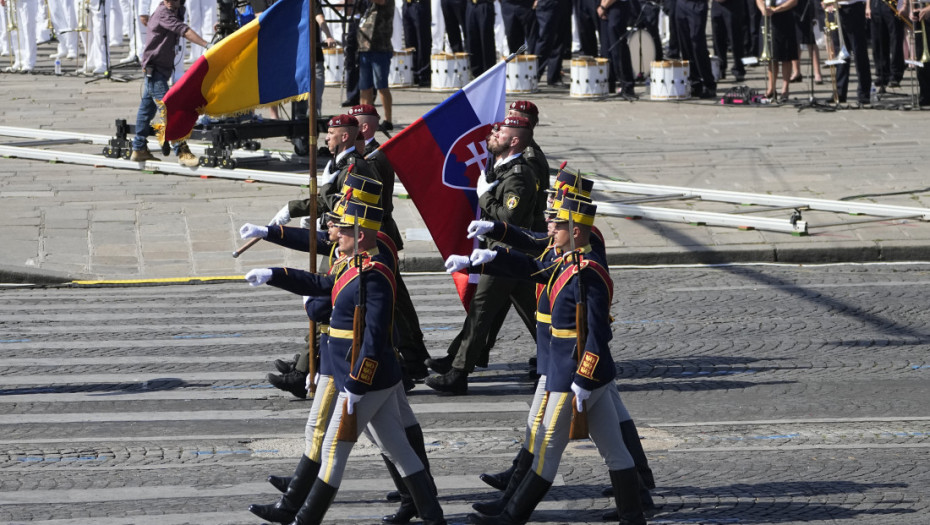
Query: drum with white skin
{"x":670,"y":80}
{"x":589,"y":77}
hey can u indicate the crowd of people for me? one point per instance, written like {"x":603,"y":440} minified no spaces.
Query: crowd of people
{"x":540,"y":251}
{"x":369,"y":31}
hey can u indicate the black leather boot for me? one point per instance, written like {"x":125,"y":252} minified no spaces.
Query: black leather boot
{"x":531,"y":491}
{"x":284,"y":510}
{"x":421,"y":489}
{"x":415,"y":438}
{"x":407,"y":509}
{"x":440,"y":365}
{"x":454,"y":383}
{"x":499,"y":481}
{"x":626,"y":485}
{"x":317,"y":503}
{"x":522,"y":464}
{"x":280,"y":482}
{"x":634,"y":445}
{"x":294,"y":382}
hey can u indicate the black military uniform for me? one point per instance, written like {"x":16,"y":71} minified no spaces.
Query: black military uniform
{"x":588,"y":25}
{"x":519,"y":24}
{"x":853,"y":22}
{"x":453,"y":14}
{"x":728,"y":25}
{"x":615,"y":47}
{"x":350,"y":63}
{"x":887,"y":45}
{"x":550,"y":14}
{"x":691,"y":24}
{"x":479,"y":35}
{"x":417,"y":17}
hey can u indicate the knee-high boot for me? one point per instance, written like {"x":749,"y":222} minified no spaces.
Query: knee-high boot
{"x":415,"y":438}
{"x":522,"y":464}
{"x":626,"y":485}
{"x":500,"y":480}
{"x":421,"y":489}
{"x":317,"y":503}
{"x":531,"y":491}
{"x":407,"y":509}
{"x":284,"y":510}
{"x":634,"y":445}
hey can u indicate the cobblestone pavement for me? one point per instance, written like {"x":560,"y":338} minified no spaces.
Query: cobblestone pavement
{"x":764,"y":394}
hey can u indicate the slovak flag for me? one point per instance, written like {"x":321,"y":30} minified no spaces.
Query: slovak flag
{"x":439,"y":157}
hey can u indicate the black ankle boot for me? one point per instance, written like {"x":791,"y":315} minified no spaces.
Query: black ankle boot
{"x":440,"y":365}
{"x":522,"y":464}
{"x":421,"y":490}
{"x":317,"y":503}
{"x":280,"y":482}
{"x":284,"y":510}
{"x":294,"y":382}
{"x":407,"y":509}
{"x":626,"y":485}
{"x":454,"y":383}
{"x":531,"y":491}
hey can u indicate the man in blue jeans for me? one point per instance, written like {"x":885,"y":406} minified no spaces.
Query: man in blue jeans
{"x":375,"y":51}
{"x":164,"y":29}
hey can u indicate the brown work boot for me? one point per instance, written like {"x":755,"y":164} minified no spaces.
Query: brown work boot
{"x":142,"y":155}
{"x":186,"y":158}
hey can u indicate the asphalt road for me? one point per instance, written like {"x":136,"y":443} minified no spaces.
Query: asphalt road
{"x":764,"y":394}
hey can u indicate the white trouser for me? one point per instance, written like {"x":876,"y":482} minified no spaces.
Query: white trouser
{"x":64,"y":19}
{"x":4,"y":34}
{"x":115,"y":23}
{"x":202,"y":15}
{"x":324,"y":403}
{"x":97,"y":50}
{"x":42,"y":32}
{"x":26,"y":48}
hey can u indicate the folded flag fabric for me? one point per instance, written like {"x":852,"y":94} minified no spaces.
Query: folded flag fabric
{"x":265,"y":62}
{"x":439,"y":157}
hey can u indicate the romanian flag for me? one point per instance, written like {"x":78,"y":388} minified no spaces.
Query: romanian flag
{"x":265,"y":62}
{"x":439,"y":157}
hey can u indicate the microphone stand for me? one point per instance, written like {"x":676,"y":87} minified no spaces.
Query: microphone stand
{"x":812,"y":101}
{"x":108,"y":74}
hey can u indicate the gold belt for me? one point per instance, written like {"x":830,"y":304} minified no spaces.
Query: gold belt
{"x":340,"y":334}
{"x":544,"y":318}
{"x":565,"y":333}
{"x":324,"y":328}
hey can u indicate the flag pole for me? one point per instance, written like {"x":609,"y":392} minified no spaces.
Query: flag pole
{"x":311,"y":139}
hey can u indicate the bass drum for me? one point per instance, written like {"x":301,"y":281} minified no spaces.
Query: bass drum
{"x":642,"y":53}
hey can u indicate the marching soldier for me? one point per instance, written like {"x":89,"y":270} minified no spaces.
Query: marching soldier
{"x":296,"y":487}
{"x":535,"y":158}
{"x":578,"y":276}
{"x":507,"y":194}
{"x":369,"y":383}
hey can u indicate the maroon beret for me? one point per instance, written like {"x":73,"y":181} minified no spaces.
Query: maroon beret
{"x":524,"y":106}
{"x":364,"y":109}
{"x":341,"y":121}
{"x":516,"y":122}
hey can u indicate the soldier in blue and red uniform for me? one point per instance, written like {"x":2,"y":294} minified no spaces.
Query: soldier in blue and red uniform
{"x":366,"y":190}
{"x":591,"y":380}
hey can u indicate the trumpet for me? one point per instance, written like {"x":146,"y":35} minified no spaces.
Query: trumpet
{"x":833,"y":25}
{"x":919,"y":27}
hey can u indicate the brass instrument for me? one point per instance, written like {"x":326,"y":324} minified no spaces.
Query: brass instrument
{"x":832,"y":24}
{"x":893,"y":5}
{"x":766,"y":55}
{"x":920,"y":27}
{"x":48,"y":15}
{"x":10,"y":8}
{"x":83,"y":13}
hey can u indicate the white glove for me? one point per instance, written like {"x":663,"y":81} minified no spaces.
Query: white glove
{"x":351,"y":400}
{"x":305,"y":223}
{"x":455,"y":263}
{"x":476,"y":228}
{"x":483,"y":185}
{"x":282,"y":217}
{"x":316,"y":381}
{"x":258,"y":276}
{"x":328,"y":176}
{"x":581,"y":394}
{"x":249,"y":230}
{"x":480,"y":256}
